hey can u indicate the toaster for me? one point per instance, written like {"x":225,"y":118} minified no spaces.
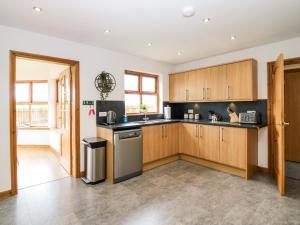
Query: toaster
{"x":248,"y":117}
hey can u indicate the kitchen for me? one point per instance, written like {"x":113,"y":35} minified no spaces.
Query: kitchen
{"x":189,"y":126}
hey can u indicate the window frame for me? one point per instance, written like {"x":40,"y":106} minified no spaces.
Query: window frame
{"x":140,"y":92}
{"x":32,"y":103}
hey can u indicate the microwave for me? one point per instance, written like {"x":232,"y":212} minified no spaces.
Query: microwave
{"x":248,"y":117}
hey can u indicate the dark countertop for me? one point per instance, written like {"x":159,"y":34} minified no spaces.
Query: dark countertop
{"x":139,"y":124}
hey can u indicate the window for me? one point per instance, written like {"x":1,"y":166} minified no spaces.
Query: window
{"x":140,"y":88}
{"x":32,"y":104}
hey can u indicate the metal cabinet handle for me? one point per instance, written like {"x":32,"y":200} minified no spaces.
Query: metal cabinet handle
{"x":208,"y":93}
{"x":200,"y":131}
{"x":162,"y":131}
{"x":228,"y":92}
{"x":203,"y":97}
{"x":166,"y":135}
{"x":285,"y":123}
{"x":222,"y":134}
{"x":187,"y":94}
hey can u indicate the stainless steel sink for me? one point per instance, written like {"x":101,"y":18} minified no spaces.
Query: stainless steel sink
{"x":151,"y":121}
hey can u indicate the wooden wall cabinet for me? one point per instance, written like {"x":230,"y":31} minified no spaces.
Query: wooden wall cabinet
{"x":159,"y":141}
{"x":178,"y":87}
{"x":242,"y":80}
{"x":216,"y":83}
{"x":229,"y":82}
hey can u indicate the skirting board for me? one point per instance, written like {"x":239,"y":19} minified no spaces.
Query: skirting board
{"x":160,"y":162}
{"x":263,"y":169}
{"x":5,"y":194}
{"x":213,"y":165}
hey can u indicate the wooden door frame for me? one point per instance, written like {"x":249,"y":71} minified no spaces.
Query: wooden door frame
{"x":75,"y":119}
{"x":270,"y":66}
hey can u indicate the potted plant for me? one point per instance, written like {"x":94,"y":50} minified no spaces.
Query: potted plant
{"x":105,"y":83}
{"x":144,"y":109}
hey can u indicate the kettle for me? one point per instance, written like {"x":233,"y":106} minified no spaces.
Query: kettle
{"x":111,"y":117}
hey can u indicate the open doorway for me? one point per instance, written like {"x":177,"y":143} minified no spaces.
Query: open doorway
{"x":284,"y":123}
{"x":44,"y":119}
{"x":292,"y":114}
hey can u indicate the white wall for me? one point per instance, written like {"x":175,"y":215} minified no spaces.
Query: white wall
{"x":263,"y":54}
{"x":92,"y":61}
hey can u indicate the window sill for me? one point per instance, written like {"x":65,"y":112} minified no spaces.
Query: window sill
{"x":33,"y":128}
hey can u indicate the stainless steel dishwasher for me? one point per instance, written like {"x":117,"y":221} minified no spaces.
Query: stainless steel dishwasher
{"x":128,"y":154}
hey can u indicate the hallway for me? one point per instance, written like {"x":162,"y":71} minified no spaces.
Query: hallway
{"x":38,"y":166}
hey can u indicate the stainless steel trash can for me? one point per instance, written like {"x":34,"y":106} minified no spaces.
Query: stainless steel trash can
{"x":95,"y":160}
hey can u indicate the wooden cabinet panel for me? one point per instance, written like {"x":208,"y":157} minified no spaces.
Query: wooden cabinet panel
{"x":242,"y":80}
{"x":209,"y":142}
{"x":170,"y":140}
{"x":216,"y":83}
{"x":196,"y":85}
{"x":177,"y":87}
{"x":189,"y":142}
{"x":234,"y":81}
{"x":233,"y":146}
{"x":152,"y":142}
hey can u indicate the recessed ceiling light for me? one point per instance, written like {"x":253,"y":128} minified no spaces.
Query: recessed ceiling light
{"x":233,"y":37}
{"x":37,"y":9}
{"x":179,"y":53}
{"x":206,"y":20}
{"x":107,"y":31}
{"x":149,"y":44}
{"x":188,"y":11}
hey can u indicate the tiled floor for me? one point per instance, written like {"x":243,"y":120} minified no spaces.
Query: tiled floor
{"x":178,"y":193}
{"x":38,"y":166}
{"x":292,"y":169}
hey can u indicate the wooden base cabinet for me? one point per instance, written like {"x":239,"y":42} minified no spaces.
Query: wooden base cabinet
{"x":209,"y":142}
{"x":229,"y":146}
{"x":199,"y":141}
{"x":233,"y":146}
{"x":159,"y":141}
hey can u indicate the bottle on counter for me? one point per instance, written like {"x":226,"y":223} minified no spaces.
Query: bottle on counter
{"x":125,"y":118}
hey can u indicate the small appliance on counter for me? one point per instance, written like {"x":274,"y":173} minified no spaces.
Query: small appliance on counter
{"x":186,"y":116}
{"x":248,"y":117}
{"x":167,"y":113}
{"x":111,"y":117}
{"x":213,"y":116}
{"x":197,"y":116}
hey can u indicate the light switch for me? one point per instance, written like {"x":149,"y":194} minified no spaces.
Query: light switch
{"x":102,"y":114}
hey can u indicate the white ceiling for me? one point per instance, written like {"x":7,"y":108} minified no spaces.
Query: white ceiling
{"x":28,"y":69}
{"x":134,"y":23}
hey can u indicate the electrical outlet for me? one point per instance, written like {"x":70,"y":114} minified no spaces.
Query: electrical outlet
{"x":190,"y":111}
{"x":102,"y":114}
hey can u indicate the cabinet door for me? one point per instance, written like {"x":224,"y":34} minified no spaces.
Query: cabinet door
{"x":233,"y":146}
{"x":216,"y":83}
{"x":242,"y":80}
{"x":196,"y":85}
{"x":177,"y":87}
{"x":209,"y":142}
{"x":170,"y":140}
{"x":189,"y":141}
{"x":152,"y":143}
